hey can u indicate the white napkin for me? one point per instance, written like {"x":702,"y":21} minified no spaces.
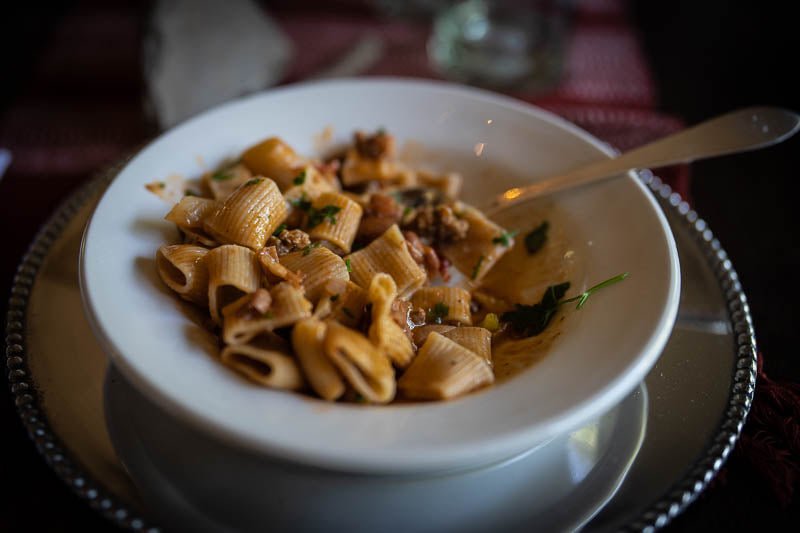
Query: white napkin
{"x":200,"y":53}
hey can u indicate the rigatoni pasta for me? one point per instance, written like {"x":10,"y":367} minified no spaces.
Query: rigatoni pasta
{"x":388,"y":254}
{"x":333,"y":277}
{"x":249,"y":215}
{"x":233,"y":271}
{"x":183,"y":269}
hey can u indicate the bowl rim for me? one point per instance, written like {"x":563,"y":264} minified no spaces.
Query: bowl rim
{"x":456,"y":455}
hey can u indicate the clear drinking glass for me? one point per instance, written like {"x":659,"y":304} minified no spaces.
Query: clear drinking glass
{"x":502,"y":44}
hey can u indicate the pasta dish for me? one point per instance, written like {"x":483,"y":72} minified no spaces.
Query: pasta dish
{"x":354,"y":278}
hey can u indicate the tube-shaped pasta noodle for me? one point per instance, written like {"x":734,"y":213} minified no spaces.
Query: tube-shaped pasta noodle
{"x":420,"y":334}
{"x":270,"y":262}
{"x":444,"y":369}
{"x":358,"y":169}
{"x":477,"y":253}
{"x":444,"y":304}
{"x":388,"y":253}
{"x":275,"y":159}
{"x":233,"y":271}
{"x":190,"y":212}
{"x":318,"y":265}
{"x":249,"y":215}
{"x":367,"y":370}
{"x":265,"y":367}
{"x":477,"y":340}
{"x":449,"y":184}
{"x":241,"y":323}
{"x":309,"y":181}
{"x":334,"y":218}
{"x":308,"y":337}
{"x":348,"y":301}
{"x":384,"y":332}
{"x":224,"y":181}
{"x":183,"y":269}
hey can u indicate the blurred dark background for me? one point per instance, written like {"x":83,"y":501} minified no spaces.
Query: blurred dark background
{"x":706,"y":58}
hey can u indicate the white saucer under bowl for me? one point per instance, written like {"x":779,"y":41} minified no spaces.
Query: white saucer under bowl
{"x":558,"y":487}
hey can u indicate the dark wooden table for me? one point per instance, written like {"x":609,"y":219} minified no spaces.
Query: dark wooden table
{"x":708,"y":57}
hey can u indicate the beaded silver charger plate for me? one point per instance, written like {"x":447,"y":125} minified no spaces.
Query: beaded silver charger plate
{"x":699,"y":391}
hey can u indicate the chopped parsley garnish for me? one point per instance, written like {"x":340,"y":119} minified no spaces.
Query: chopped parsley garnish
{"x":530,"y":320}
{"x":582,"y":297}
{"x":161,"y":184}
{"x":348,"y":312}
{"x":279,"y":229}
{"x":221,"y":175}
{"x":189,"y":192}
{"x":307,"y":249}
{"x":438,"y":312}
{"x":347,"y":264}
{"x":477,"y":268}
{"x":406,"y":211}
{"x":318,"y":216}
{"x":300,"y":178}
{"x":334,"y":297}
{"x":536,"y":238}
{"x":505,"y":238}
{"x":253,"y":181}
{"x":302,"y":203}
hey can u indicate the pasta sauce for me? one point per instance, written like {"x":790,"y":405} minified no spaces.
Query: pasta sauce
{"x":363,"y":278}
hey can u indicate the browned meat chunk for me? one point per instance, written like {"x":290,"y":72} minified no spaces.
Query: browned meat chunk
{"x":436,"y":223}
{"x":426,"y":257}
{"x":374,"y":146}
{"x":289,"y":241}
{"x":379,"y":215}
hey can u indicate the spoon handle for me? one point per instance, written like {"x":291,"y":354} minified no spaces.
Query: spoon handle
{"x":738,"y":131}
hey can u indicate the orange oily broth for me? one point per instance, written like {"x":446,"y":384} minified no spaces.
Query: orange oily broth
{"x":520,"y":277}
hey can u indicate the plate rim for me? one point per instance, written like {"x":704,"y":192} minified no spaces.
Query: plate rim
{"x":655,"y":516}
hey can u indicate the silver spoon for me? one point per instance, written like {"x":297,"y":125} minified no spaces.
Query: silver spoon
{"x":738,"y":131}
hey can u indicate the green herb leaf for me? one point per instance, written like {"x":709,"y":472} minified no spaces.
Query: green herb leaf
{"x":221,"y":175}
{"x":536,"y":238}
{"x":253,"y":181}
{"x":302,"y":203}
{"x":300,"y":178}
{"x":530,"y":320}
{"x":406,"y":211}
{"x":438,"y":312}
{"x":505,"y":238}
{"x":477,"y":268}
{"x":307,"y":249}
{"x":161,"y":184}
{"x":581,"y":298}
{"x":189,"y":192}
{"x":318,"y":216}
{"x":279,"y":229}
{"x":347,"y":264}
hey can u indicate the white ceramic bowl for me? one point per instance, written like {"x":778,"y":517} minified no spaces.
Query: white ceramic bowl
{"x":604,"y":353}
